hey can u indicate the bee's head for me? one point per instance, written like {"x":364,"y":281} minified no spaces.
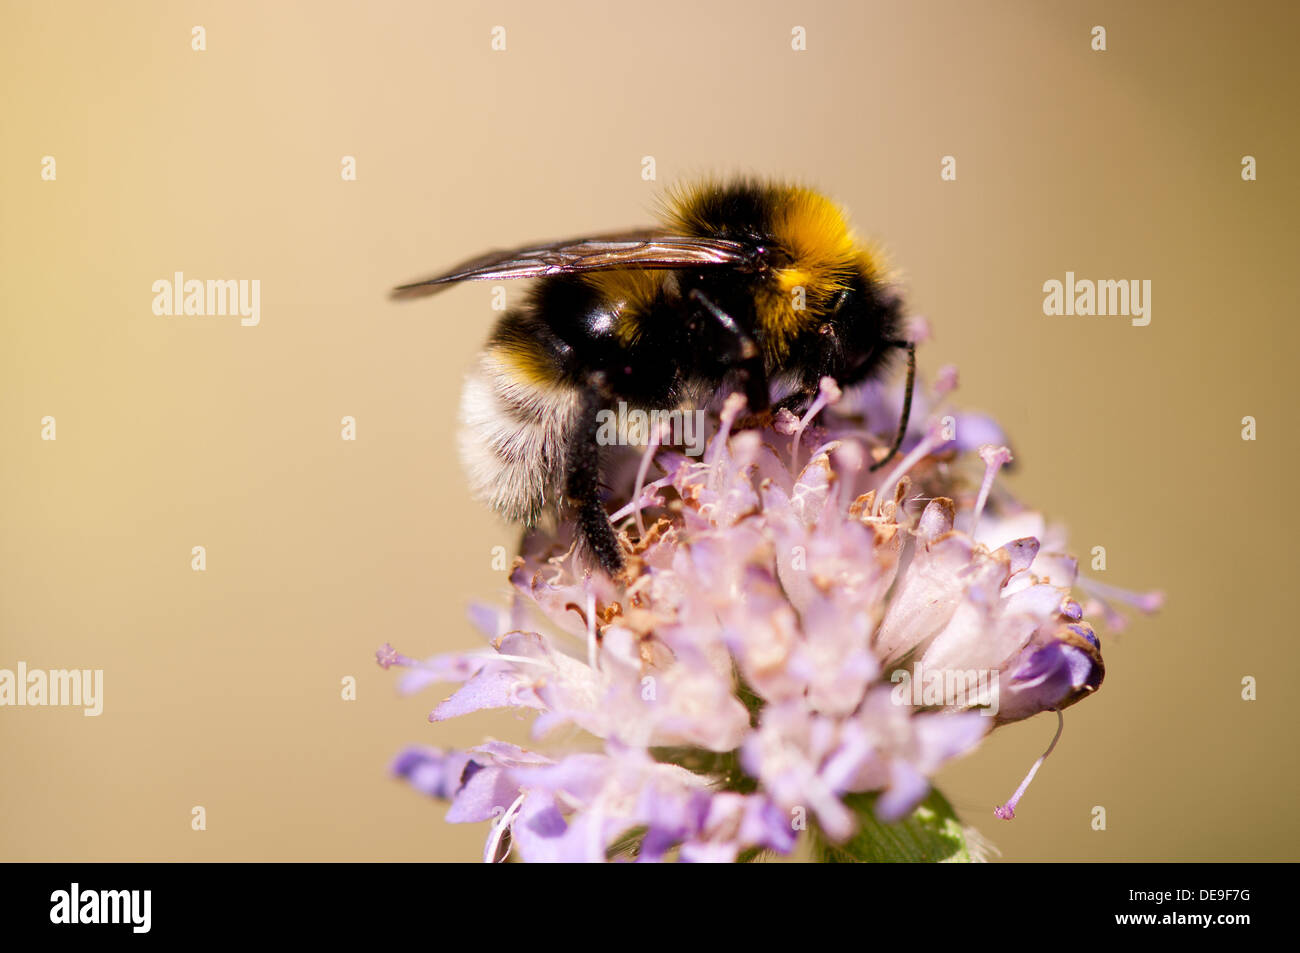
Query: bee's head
{"x":860,"y":332}
{"x":825,"y":304}
{"x":814,"y":274}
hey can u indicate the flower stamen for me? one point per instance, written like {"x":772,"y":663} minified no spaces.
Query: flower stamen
{"x":592,"y":643}
{"x":1144,"y":601}
{"x":641,"y":500}
{"x":828,"y":392}
{"x":934,"y":437}
{"x":994,"y":459}
{"x":388,"y":656}
{"x":731,"y":409}
{"x":1007,"y":811}
{"x":499,"y":831}
{"x":651,"y":446}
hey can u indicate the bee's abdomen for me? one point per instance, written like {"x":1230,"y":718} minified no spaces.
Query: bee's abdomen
{"x":517,"y":417}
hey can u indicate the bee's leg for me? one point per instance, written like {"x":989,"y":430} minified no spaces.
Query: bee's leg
{"x":582,"y":480}
{"x":745,"y":355}
{"x":829,"y":359}
{"x":907,"y":403}
{"x":797,"y":403}
{"x":825,"y":364}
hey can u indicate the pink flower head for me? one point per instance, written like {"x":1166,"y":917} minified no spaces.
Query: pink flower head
{"x":792,"y":629}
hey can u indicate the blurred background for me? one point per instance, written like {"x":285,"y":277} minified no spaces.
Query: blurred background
{"x":223,"y":687}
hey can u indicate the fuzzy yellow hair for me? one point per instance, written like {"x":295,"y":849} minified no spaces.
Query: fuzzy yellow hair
{"x":629,"y":293}
{"x":817,"y":250}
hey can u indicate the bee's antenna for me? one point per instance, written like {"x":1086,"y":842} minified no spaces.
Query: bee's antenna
{"x":907,"y":404}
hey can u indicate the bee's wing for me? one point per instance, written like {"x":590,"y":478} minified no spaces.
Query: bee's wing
{"x":644,"y":250}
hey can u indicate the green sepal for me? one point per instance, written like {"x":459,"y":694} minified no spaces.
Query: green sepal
{"x":930,"y":834}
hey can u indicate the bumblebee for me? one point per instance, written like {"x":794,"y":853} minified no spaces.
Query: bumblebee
{"x":745,"y":285}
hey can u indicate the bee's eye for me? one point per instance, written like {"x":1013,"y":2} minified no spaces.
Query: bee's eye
{"x":777,"y":258}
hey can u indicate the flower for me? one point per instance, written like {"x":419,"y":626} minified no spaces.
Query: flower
{"x":793,"y":628}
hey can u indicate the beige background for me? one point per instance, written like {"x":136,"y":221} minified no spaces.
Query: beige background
{"x":222,"y":688}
